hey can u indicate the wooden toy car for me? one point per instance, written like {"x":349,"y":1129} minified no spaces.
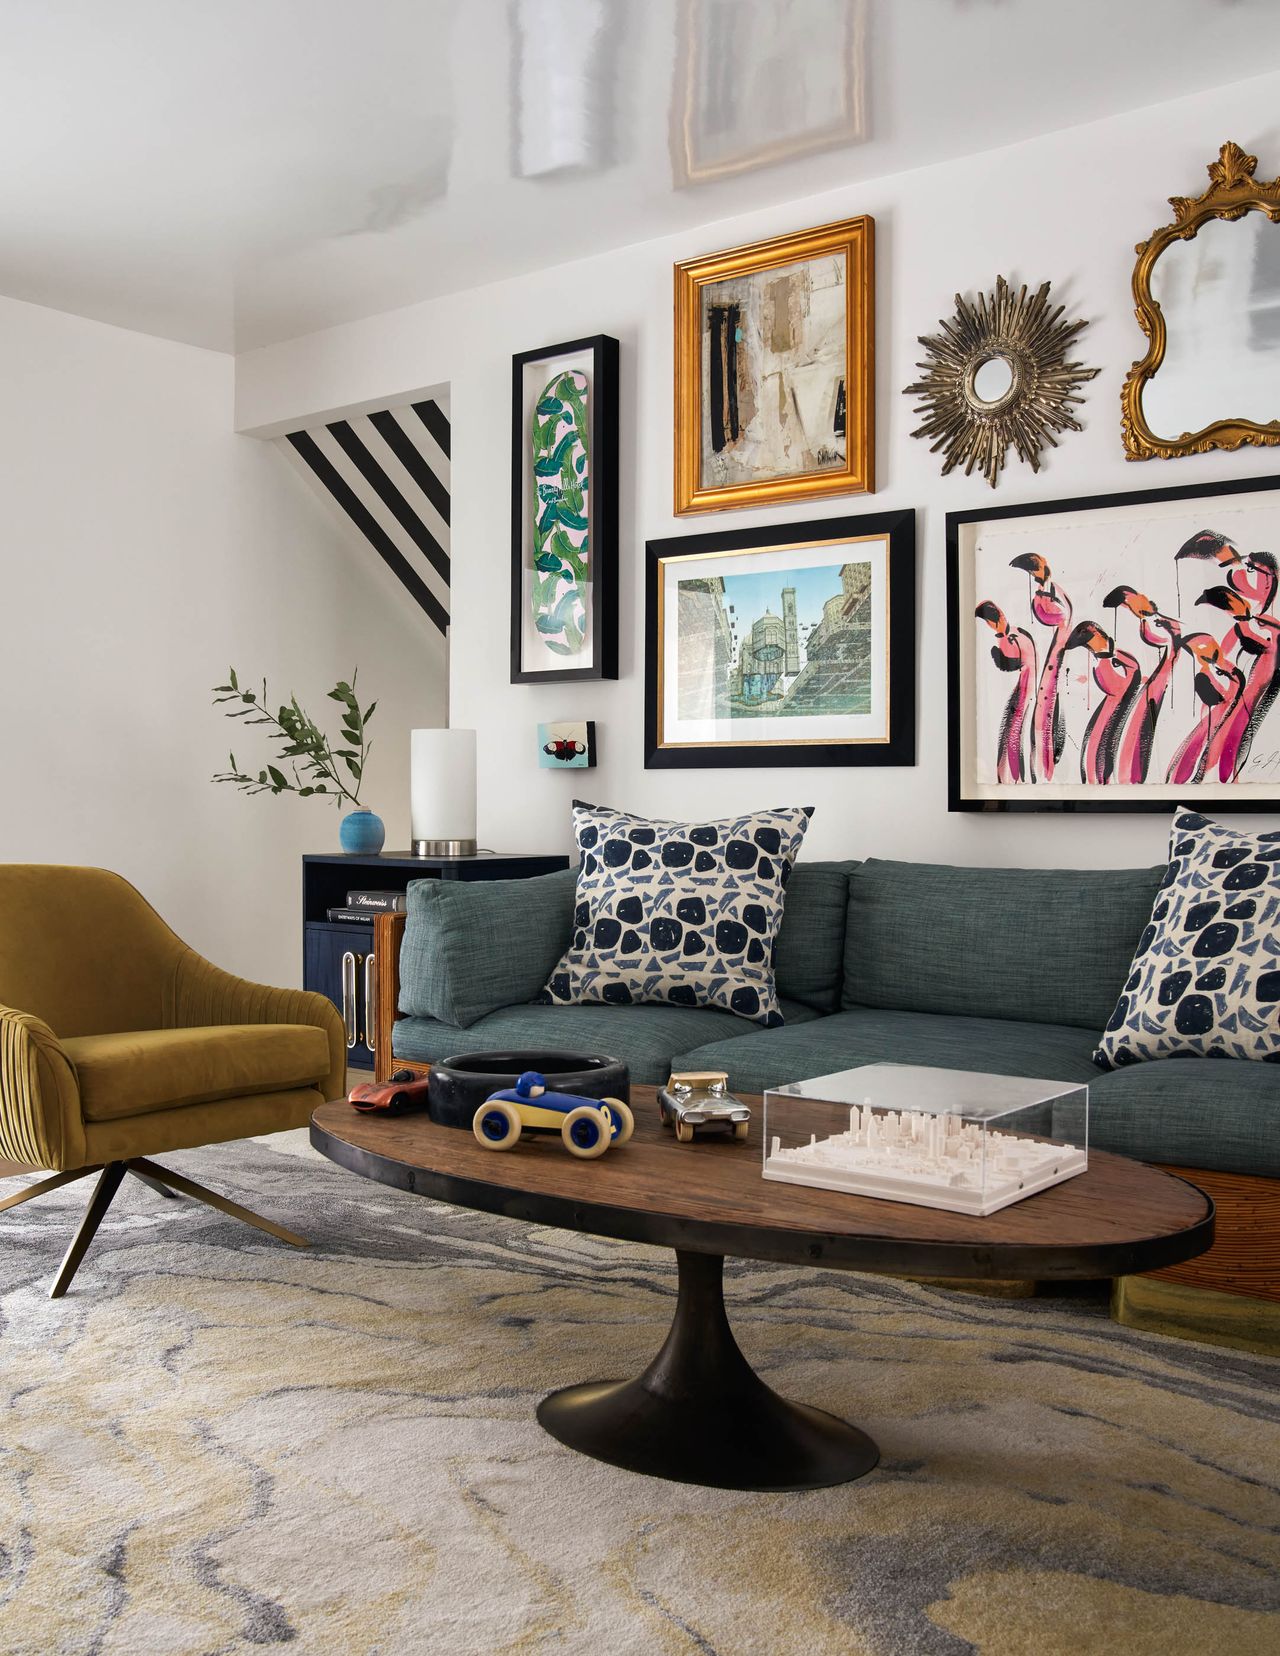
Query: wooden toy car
{"x":587,"y":1126}
{"x":696,"y":1099}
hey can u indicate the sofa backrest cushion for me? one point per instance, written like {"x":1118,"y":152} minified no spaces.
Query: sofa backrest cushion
{"x":472,"y":946}
{"x":1029,"y":944}
{"x":809,"y":963}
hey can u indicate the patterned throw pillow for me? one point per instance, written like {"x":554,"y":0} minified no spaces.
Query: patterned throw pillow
{"x":1206,"y":977}
{"x":685,"y":913}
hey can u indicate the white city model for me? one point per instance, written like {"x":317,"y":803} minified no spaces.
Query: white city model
{"x":933,"y":1160}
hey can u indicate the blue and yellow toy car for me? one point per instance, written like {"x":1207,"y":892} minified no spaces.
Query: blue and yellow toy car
{"x":587,"y":1126}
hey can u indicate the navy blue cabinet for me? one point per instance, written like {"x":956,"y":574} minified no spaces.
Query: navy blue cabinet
{"x":337,"y":956}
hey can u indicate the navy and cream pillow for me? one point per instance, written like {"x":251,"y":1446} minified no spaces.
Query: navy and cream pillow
{"x":1205,"y":980}
{"x":684,"y":913}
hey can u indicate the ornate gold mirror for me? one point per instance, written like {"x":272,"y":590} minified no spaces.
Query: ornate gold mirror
{"x":1207,"y":293}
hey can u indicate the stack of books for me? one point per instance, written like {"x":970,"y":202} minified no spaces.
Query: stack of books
{"x":364,"y":905}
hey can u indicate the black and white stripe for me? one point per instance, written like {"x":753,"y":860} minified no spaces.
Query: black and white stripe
{"x":388,"y":472}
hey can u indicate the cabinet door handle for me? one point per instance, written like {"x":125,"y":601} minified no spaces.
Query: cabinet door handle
{"x":370,"y":1000}
{"x":349,"y":996}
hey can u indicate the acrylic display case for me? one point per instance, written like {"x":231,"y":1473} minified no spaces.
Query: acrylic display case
{"x":940,"y":1138}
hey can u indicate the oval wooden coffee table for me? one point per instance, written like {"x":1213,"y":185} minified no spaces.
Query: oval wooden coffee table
{"x":699,"y":1413}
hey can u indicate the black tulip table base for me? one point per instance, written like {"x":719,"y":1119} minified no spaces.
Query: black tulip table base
{"x":700,"y":1414}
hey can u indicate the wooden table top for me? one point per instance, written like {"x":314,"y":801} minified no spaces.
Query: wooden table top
{"x":709,"y":1196}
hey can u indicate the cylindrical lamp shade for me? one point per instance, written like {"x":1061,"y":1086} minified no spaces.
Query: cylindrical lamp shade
{"x":442,"y":792}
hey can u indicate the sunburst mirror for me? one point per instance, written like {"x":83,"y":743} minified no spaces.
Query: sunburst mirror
{"x":996,"y":377}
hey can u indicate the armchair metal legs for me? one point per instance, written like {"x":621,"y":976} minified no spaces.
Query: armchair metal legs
{"x":149,"y":1171}
{"x":106,"y":1187}
{"x":109,"y":1181}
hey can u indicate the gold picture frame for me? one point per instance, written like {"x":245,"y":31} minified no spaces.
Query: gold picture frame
{"x":1232,"y":192}
{"x":851,"y":241}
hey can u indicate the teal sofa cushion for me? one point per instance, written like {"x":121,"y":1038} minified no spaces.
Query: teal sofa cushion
{"x":472,"y":946}
{"x":645,"y":1038}
{"x":1054,"y":1052}
{"x":809,"y":964}
{"x":1036,"y":945}
{"x":1220,"y":1113}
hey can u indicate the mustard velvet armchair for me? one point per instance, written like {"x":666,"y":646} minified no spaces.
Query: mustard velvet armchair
{"x":119,"y":1043}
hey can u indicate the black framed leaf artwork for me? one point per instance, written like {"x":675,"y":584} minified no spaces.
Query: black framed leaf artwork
{"x":1117,"y":652}
{"x":564,"y":512}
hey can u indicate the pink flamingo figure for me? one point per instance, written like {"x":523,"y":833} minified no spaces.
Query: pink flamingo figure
{"x":1162,"y":633}
{"x":1051,"y":608}
{"x":1117,"y":675}
{"x":1253,"y":575}
{"x":1014,"y":651}
{"x":1219,"y":686}
{"x":1254,"y":641}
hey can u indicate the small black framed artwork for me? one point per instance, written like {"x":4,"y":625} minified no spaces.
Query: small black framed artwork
{"x":1116,"y":652}
{"x":564,"y":512}
{"x":791,"y":645}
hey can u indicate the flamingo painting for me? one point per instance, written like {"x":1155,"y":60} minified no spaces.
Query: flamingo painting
{"x":1014,"y":651}
{"x":1254,"y":642}
{"x":1099,"y":675}
{"x":1051,"y":608}
{"x":1117,"y":675}
{"x":1218,"y":687}
{"x":1162,"y":633}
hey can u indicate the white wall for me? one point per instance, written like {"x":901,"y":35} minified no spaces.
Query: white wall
{"x":146,"y":547}
{"x":1068,"y":207}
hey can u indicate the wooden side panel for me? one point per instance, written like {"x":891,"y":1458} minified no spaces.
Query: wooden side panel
{"x":388,"y":934}
{"x":1245,"y":1256}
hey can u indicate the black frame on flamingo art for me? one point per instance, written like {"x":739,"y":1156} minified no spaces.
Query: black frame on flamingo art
{"x":960,"y":797}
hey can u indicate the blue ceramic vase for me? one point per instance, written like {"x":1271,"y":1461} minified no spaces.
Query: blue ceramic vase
{"x":361,"y":834}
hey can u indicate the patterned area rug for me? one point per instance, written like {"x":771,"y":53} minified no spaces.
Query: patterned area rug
{"x":218,"y":1444}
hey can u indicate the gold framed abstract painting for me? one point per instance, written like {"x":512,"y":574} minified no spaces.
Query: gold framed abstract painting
{"x":775,"y":370}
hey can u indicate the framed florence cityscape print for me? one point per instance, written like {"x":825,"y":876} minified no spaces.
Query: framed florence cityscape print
{"x":775,"y":370}
{"x":564,"y":512}
{"x":786,"y":646}
{"x":1117,"y":653}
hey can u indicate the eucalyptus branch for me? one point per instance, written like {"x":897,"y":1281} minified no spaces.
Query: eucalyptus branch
{"x":317,"y":766}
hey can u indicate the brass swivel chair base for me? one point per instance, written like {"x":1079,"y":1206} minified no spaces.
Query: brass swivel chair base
{"x":110,"y":1177}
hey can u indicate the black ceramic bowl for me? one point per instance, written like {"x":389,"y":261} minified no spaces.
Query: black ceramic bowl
{"x":460,"y":1085}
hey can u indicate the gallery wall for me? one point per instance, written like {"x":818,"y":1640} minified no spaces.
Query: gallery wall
{"x":147,"y":548}
{"x":1067,"y":207}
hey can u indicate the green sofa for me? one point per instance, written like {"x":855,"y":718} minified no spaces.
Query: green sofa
{"x":1014,"y":971}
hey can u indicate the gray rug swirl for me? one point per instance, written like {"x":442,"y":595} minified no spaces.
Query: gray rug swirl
{"x":218,"y":1444}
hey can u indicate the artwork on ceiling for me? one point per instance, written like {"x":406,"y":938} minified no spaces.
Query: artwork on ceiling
{"x":774,"y":354}
{"x":750,"y":91}
{"x":564,"y":512}
{"x":564,"y":67}
{"x":786,"y":646}
{"x":1206,"y":292}
{"x":1116,"y":653}
{"x":568,"y":745}
{"x":997,"y":377}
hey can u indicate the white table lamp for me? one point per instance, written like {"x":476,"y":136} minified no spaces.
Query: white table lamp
{"x":442,"y":793}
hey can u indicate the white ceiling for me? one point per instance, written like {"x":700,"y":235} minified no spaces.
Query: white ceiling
{"x":234,"y":172}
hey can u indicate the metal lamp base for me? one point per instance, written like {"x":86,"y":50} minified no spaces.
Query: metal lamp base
{"x":443,"y":848}
{"x":700,"y":1414}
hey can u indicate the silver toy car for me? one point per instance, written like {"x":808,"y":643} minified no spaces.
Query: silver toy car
{"x":694,"y":1099}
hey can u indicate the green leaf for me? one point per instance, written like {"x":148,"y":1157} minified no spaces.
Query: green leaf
{"x":353,"y":766}
{"x":278,"y":777}
{"x":370,"y":711}
{"x":234,"y":683}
